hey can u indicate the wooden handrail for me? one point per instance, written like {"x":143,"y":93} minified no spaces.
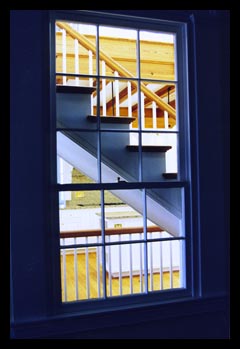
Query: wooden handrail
{"x":117,"y":67}
{"x":108,"y":231}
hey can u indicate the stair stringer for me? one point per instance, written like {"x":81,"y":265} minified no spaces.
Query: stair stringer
{"x":159,"y":215}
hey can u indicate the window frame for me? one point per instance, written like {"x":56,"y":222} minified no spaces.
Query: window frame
{"x":99,"y":305}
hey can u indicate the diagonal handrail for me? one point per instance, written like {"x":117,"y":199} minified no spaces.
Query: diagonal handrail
{"x":117,"y":67}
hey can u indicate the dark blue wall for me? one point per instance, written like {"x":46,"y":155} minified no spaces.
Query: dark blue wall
{"x":204,"y":317}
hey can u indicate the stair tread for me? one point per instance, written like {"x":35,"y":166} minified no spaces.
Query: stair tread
{"x":112,"y":119}
{"x":75,"y":89}
{"x":170,"y":175}
{"x":149,"y":148}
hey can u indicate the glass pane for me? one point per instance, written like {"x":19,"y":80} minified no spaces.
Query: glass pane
{"x":125,"y":269}
{"x":75,"y":55}
{"x":158,"y":105}
{"x":157,"y":53}
{"x":123,"y":215}
{"x":67,"y":174}
{"x":159,"y":156}
{"x":81,"y":273}
{"x":79,"y":217}
{"x":165,"y":212}
{"x":78,"y":151}
{"x":120,"y":47}
{"x":165,"y":269}
{"x":118,"y":98}
{"x":74,"y":103}
{"x":120,"y":157}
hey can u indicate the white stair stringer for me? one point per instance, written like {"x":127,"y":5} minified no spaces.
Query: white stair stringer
{"x":87,"y":164}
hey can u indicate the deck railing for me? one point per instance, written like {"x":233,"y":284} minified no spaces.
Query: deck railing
{"x":125,"y":255}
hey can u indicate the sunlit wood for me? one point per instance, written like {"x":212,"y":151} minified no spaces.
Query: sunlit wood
{"x":115,"y":281}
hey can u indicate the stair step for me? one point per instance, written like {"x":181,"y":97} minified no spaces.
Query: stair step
{"x":170,"y":175}
{"x":75,"y":89}
{"x":149,"y":148}
{"x":112,"y":119}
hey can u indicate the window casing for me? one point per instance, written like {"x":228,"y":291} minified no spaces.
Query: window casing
{"x":137,"y":180}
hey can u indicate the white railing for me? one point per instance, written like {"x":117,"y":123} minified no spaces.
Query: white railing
{"x":122,"y":260}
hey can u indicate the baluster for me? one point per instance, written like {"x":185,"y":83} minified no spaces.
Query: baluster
{"x":129,"y":99}
{"x":98,"y":269}
{"x":171,"y":266}
{"x":151,"y":264}
{"x":90,"y":68}
{"x":64,"y":271}
{"x":76,"y":269}
{"x":130,"y":264}
{"x":120,"y":265}
{"x":116,"y":86}
{"x":64,"y":55}
{"x":154,"y":114}
{"x":161,"y":265}
{"x":142,"y":111}
{"x":109,"y":267}
{"x":104,"y":94}
{"x":87,"y":269}
{"x":141,"y":269}
{"x":165,"y":119}
{"x":76,"y":61}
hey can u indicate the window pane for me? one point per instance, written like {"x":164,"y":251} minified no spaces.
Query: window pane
{"x":159,"y":152}
{"x":123,"y":215}
{"x":165,"y":269}
{"x":125,"y":269}
{"x":74,"y":103}
{"x":120,"y":46}
{"x":165,"y":209}
{"x":157,"y":53}
{"x":79,"y":150}
{"x":119,"y":162}
{"x":158,"y":105}
{"x":118,"y":98}
{"x":75,"y":55}
{"x":81,"y":273}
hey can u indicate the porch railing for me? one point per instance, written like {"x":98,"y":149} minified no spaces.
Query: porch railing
{"x":124,"y":257}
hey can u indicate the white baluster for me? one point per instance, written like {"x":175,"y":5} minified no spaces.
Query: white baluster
{"x":104,"y":94}
{"x":154,"y":114}
{"x":161,"y":265}
{"x":76,"y":61}
{"x":129,"y":99}
{"x":151,"y":264}
{"x":90,"y":68}
{"x":120,"y":265}
{"x":182,"y":263}
{"x":76,"y":269}
{"x":141,"y":268}
{"x":98,"y":270}
{"x":87,"y":270}
{"x":130,"y":264}
{"x":109,"y":268}
{"x":64,"y":55}
{"x":171,"y":266}
{"x":116,"y":92}
{"x":64,"y":272}
{"x":165,"y":119}
{"x":142,"y":111}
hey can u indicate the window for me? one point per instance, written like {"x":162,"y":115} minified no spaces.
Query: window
{"x":120,"y":145}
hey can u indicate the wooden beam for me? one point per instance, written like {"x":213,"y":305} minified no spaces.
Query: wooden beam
{"x":108,"y":231}
{"x":116,"y":67}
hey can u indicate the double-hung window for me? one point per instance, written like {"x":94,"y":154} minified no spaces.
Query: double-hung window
{"x":120,"y":162}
